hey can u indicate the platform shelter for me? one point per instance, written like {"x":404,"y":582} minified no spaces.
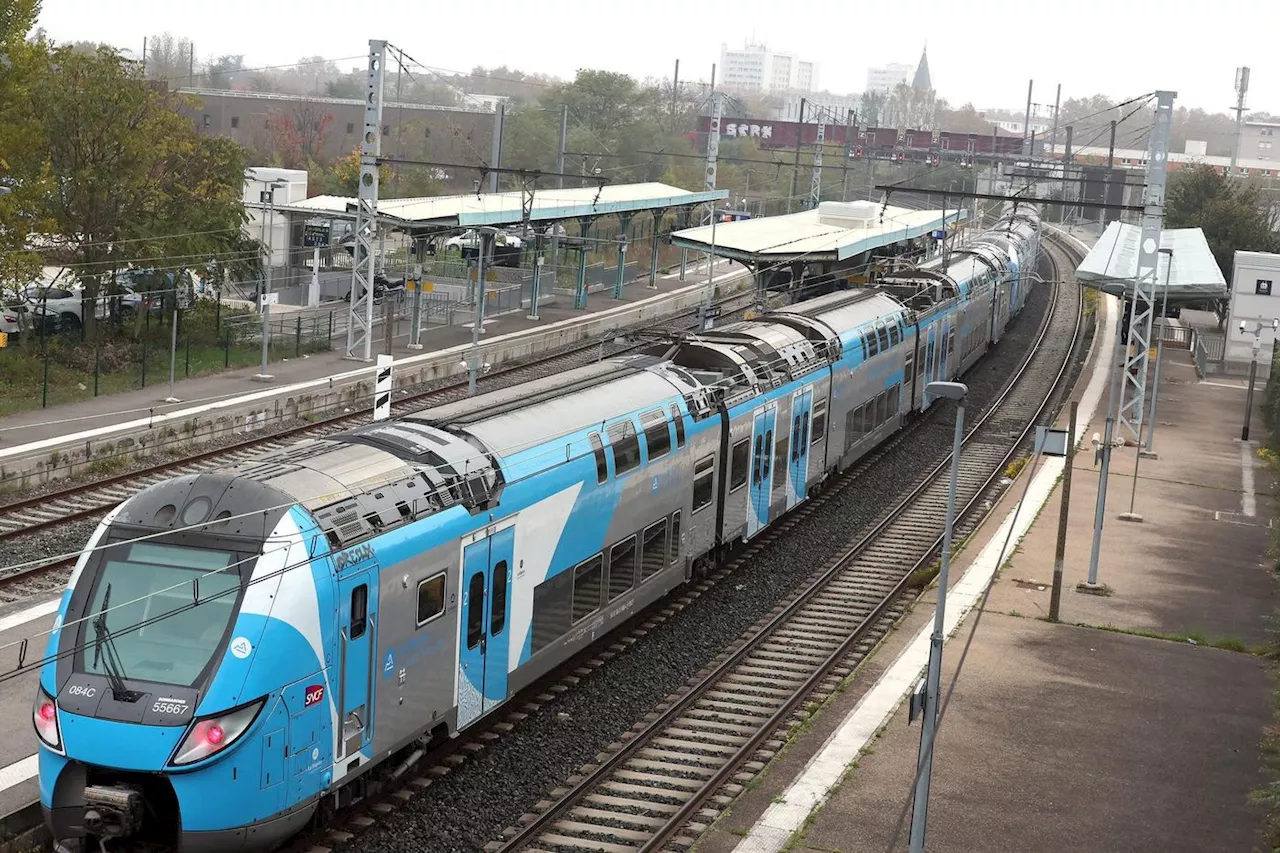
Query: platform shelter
{"x":833,"y":245}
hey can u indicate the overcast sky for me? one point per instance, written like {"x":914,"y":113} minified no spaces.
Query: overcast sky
{"x":983,"y":52}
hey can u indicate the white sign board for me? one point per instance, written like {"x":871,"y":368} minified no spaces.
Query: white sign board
{"x":382,"y":388}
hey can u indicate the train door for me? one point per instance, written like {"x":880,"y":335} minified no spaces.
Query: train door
{"x":944,"y":359}
{"x":801,"y":411}
{"x":358,"y":636}
{"x":930,"y":362}
{"x":484,"y":634}
{"x":761,"y":467}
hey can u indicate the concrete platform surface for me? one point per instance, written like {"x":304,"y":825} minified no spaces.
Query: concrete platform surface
{"x":1061,"y":738}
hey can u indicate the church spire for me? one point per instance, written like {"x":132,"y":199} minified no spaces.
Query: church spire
{"x":922,"y":80}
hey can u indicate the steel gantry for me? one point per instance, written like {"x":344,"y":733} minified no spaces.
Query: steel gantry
{"x":815,"y":186}
{"x":1142,"y":310}
{"x":360,"y":322}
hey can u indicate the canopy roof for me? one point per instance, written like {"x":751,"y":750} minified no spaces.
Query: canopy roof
{"x":1112,"y":264}
{"x":463,"y":211}
{"x":833,"y":232}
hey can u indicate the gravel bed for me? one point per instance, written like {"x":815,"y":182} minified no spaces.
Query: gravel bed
{"x":468,"y":808}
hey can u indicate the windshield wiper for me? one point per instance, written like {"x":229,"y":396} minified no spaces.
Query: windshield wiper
{"x":111,"y":660}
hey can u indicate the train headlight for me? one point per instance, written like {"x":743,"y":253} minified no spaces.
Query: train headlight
{"x":210,"y":735}
{"x":45,"y":716}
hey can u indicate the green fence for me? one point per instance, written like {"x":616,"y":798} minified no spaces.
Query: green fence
{"x":41,"y":370}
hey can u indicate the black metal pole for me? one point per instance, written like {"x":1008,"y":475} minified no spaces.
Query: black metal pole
{"x":1248,"y":406}
{"x":1060,"y":552}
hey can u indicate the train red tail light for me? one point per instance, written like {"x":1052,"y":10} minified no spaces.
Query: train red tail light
{"x":44,"y":715}
{"x":210,"y":735}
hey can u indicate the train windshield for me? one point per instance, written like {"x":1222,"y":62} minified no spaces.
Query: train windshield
{"x":159,"y":612}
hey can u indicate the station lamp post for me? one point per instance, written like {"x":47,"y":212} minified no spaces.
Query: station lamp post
{"x":1258,"y":326}
{"x":924,"y":768}
{"x":264,"y":307}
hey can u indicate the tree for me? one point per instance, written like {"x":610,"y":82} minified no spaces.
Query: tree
{"x":120,"y":174}
{"x":1229,"y":213}
{"x":170,"y":58}
{"x":222,"y":69}
{"x":20,"y":63}
{"x":873,"y":104}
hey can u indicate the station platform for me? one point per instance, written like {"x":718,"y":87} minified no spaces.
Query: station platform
{"x":1132,"y":724}
{"x":69,"y":418}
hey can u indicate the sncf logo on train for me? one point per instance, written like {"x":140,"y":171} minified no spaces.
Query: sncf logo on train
{"x":351,"y":556}
{"x":314,"y":694}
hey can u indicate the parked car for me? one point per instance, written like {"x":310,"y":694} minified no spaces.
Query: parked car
{"x":11,"y":319}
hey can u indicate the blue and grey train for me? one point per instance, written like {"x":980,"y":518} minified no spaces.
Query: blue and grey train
{"x":239,"y":652}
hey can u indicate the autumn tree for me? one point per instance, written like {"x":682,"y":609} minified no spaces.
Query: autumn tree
{"x":20,"y":63}
{"x":170,"y":58}
{"x":1229,"y":213}
{"x":118,"y":174}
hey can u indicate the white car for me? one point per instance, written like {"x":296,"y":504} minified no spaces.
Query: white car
{"x":470,"y":240}
{"x":11,"y":319}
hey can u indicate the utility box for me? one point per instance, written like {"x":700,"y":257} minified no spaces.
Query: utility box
{"x":1255,"y":300}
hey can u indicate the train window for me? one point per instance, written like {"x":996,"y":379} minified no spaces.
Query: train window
{"x":654,"y":555}
{"x":602,"y":461}
{"x":765,"y":457}
{"x":703,"y":477}
{"x":675,"y":537}
{"x":804,"y":432}
{"x":870,"y":346}
{"x":622,"y":567}
{"x":657,"y":435}
{"x":882,"y":407}
{"x":882,"y":334}
{"x":795,"y":439}
{"x":588,"y":581}
{"x":626,"y":447}
{"x":894,"y":393}
{"x":359,"y":611}
{"x":678,"y":420}
{"x":895,"y":334}
{"x":552,"y":610}
{"x":430,"y":598}
{"x":819,"y":421}
{"x":498,"y":606}
{"x":475,"y":610}
{"x":756,"y":464}
{"x":738,"y":472}
{"x":853,"y":426}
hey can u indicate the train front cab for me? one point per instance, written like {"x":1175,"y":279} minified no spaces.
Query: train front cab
{"x":161,"y":719}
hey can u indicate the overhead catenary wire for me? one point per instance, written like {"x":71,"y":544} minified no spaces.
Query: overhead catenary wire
{"x":84,"y":554}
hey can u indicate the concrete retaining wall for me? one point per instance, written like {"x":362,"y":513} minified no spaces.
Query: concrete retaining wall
{"x":103,"y":449}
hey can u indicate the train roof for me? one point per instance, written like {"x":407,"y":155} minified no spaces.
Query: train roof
{"x":514,"y":419}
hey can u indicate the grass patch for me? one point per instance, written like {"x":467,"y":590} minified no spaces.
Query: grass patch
{"x":1195,"y":638}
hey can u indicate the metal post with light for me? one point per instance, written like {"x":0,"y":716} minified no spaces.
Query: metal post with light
{"x":924,"y":768}
{"x":472,"y":364}
{"x":1149,"y":452}
{"x":264,"y":300}
{"x":1258,"y":326}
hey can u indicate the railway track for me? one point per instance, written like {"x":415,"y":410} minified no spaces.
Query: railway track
{"x":88,"y":500}
{"x":658,"y":788}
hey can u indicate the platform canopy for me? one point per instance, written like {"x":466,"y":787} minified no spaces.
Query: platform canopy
{"x":1112,"y":264}
{"x":833,"y":232}
{"x":549,"y":204}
